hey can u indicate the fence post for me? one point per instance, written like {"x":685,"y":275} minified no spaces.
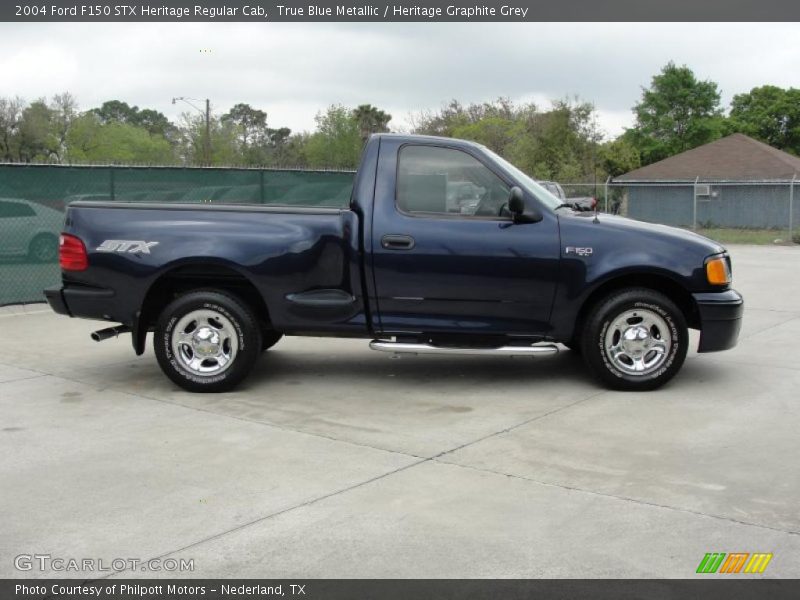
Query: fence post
{"x":111,"y":181}
{"x":607,"y":180}
{"x":261,"y":184}
{"x":791,"y":206}
{"x":694,"y":204}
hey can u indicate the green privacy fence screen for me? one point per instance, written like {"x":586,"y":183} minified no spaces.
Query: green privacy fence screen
{"x":33,"y":199}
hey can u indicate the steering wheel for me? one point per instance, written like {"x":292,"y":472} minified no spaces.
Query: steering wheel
{"x":488,"y":206}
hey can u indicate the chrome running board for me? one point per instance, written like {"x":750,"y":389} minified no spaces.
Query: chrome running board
{"x":404,"y":348}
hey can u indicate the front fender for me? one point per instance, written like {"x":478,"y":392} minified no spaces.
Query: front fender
{"x":597,"y":253}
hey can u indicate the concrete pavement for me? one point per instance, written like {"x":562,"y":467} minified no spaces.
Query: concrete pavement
{"x":335,"y":461}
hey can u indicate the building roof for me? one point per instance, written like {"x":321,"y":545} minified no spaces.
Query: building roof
{"x":736,"y":157}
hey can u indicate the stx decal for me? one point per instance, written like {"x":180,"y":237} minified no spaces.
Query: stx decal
{"x":129,"y":246}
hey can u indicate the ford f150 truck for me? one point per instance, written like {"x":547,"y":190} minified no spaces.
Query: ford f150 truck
{"x":445,"y":248}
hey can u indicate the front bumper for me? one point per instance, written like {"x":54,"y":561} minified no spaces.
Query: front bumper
{"x":720,"y":319}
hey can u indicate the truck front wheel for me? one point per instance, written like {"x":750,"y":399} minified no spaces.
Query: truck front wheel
{"x":635,"y":339}
{"x":207,"y":341}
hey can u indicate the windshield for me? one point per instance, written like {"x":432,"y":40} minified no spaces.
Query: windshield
{"x":536,"y":190}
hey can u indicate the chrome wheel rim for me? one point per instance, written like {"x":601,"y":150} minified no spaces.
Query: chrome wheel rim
{"x":205,"y":342}
{"x":638,"y":342}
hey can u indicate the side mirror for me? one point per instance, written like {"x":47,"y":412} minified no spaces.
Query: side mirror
{"x":516,"y":201}
{"x":520,"y":212}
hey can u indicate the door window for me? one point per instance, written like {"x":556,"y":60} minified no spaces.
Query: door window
{"x":443,"y":181}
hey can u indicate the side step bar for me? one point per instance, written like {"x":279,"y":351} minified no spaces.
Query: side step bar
{"x":403,"y":348}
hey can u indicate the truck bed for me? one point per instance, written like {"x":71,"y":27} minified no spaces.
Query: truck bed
{"x":303,"y":261}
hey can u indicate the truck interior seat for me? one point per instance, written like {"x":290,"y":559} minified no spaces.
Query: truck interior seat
{"x":423,"y":193}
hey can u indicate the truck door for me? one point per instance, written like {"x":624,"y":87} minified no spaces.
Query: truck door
{"x":445,"y":258}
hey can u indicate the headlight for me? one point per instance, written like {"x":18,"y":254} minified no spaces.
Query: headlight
{"x":718,"y":270}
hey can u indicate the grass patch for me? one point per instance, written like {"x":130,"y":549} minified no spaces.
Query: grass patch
{"x":745,"y":236}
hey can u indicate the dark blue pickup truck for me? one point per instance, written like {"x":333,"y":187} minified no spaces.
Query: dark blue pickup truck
{"x":446,"y":248}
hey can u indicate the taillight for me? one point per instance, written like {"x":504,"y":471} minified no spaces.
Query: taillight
{"x":72,"y":253}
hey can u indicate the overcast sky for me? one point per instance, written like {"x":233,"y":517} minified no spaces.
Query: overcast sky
{"x":294,"y":70}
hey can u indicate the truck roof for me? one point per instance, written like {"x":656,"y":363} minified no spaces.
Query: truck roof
{"x":412,"y":137}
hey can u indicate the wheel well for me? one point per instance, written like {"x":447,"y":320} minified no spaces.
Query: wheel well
{"x":671,"y":289}
{"x":186,"y":278}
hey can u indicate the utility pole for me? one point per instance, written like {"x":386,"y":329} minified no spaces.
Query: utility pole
{"x":207,"y":113}
{"x":208,"y":132}
{"x":594,"y":166}
{"x":791,"y":208}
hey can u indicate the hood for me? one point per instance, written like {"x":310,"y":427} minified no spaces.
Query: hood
{"x":623,"y":226}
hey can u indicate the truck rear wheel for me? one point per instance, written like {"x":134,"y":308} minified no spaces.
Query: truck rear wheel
{"x":207,"y":341}
{"x":635,"y":339}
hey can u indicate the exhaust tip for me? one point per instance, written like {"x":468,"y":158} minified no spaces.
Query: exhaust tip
{"x":109,"y":332}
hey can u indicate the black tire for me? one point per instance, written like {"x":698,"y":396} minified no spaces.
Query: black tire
{"x":604,"y":325}
{"x":238,"y":328}
{"x":269,"y":338}
{"x":43,"y":248}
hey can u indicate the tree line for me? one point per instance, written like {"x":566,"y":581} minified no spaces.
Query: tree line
{"x":56,"y":131}
{"x":561,"y":142}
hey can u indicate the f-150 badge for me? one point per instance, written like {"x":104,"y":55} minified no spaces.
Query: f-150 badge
{"x":578,"y":251}
{"x":129,"y":246}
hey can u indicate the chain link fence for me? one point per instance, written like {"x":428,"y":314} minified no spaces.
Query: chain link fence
{"x":33,"y":199}
{"x":768,"y":206}
{"x":715,"y":204}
